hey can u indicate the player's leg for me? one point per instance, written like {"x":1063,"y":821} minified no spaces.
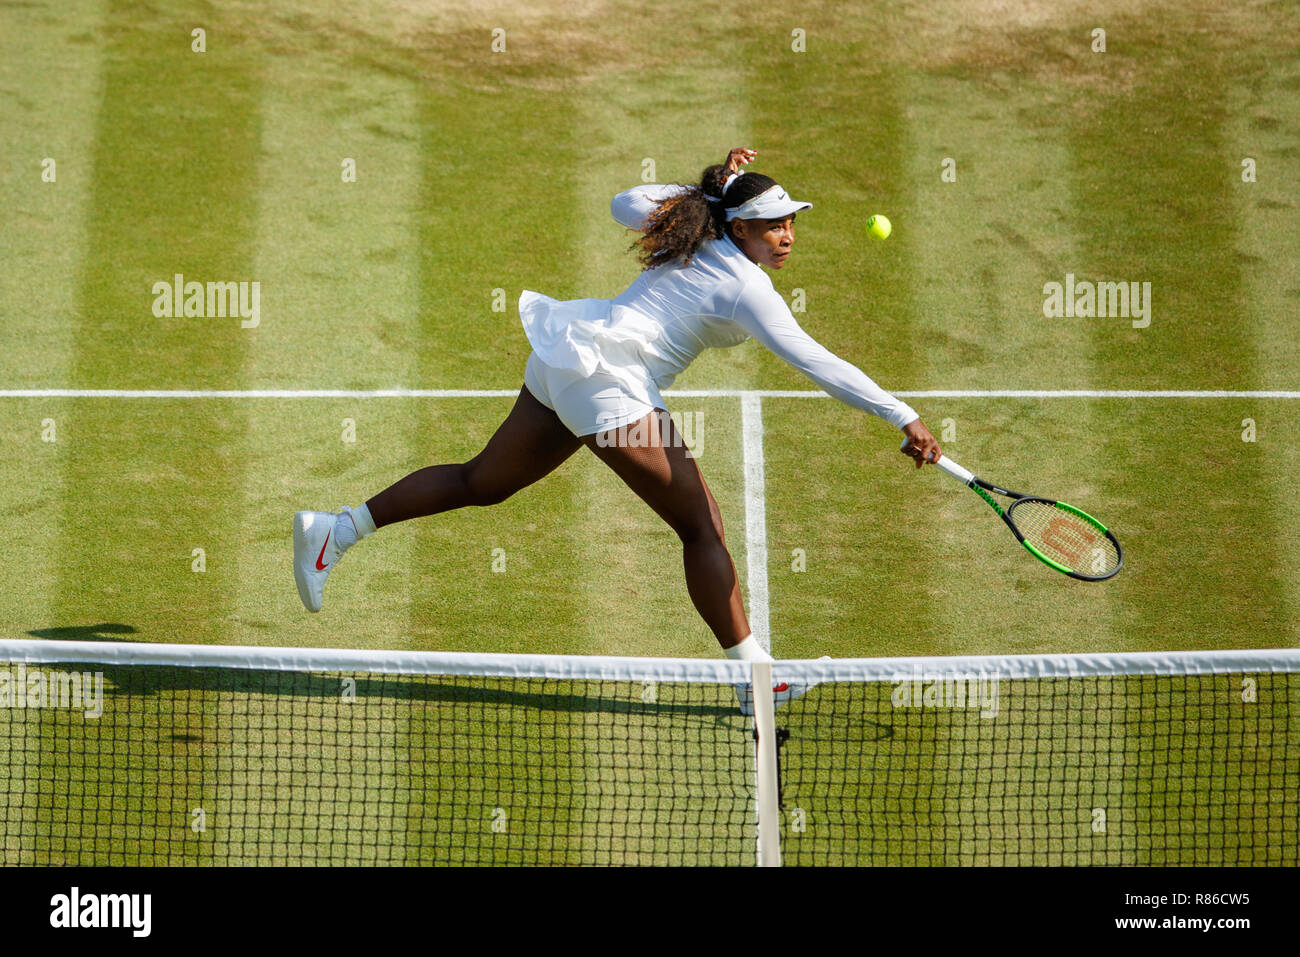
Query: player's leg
{"x":652,"y":459}
{"x":650,"y":456}
{"x":530,"y":444}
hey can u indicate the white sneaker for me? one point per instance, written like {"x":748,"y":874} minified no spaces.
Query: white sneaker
{"x":782,"y":693}
{"x":315,"y":554}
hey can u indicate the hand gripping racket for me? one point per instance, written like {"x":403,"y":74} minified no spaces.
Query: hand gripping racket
{"x":1058,"y":535}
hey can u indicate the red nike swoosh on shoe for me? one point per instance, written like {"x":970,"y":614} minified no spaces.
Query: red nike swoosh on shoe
{"x":781,"y":687}
{"x":319,"y":566}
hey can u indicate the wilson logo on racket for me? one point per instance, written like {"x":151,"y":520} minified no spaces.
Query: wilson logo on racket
{"x":1069,"y":539}
{"x":1060,"y":536}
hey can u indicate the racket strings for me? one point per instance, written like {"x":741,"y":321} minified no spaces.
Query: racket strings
{"x":1065,"y":538}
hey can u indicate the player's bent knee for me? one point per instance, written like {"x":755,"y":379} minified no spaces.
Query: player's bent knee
{"x":493,"y":497}
{"x":490,"y":495}
{"x":716,"y":517}
{"x":701,"y":529}
{"x":483,"y":489}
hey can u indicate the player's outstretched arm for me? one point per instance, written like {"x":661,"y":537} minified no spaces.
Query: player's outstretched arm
{"x":762,"y":313}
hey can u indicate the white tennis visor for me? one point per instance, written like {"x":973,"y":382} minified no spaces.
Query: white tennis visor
{"x":773,"y":203}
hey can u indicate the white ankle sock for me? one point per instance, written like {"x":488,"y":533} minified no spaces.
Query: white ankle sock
{"x":351,"y":526}
{"x":365,"y":524}
{"x":748,"y":650}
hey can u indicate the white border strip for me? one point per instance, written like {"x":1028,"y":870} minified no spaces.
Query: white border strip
{"x":1097,"y":394}
{"x":591,"y":667}
{"x":1019,"y":667}
{"x":676,"y":393}
{"x":258,"y":393}
{"x":751,"y":414}
{"x":256,"y":657}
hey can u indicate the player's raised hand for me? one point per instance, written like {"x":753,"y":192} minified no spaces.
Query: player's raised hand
{"x":738,"y":157}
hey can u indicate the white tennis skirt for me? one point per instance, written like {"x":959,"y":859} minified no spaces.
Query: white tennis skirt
{"x":585,"y":404}
{"x":587,"y":363}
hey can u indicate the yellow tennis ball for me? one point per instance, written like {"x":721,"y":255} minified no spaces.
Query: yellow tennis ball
{"x":878,"y":226}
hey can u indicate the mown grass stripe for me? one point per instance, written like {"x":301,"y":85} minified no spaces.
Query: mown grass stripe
{"x":170,"y":196}
{"x":45,"y":243}
{"x":336,"y":451}
{"x":635,"y":596}
{"x":631,"y":586}
{"x":1168,"y":219}
{"x":1263,"y":117}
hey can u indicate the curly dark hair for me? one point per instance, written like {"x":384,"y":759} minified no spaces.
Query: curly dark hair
{"x":680,"y":223}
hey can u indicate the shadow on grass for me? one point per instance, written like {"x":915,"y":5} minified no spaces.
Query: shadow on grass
{"x":245,"y":691}
{"x":107,"y":631}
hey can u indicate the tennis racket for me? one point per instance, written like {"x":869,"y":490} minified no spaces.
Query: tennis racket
{"x":1058,"y":535}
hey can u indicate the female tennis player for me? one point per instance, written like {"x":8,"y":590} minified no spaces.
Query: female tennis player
{"x":595,"y":374}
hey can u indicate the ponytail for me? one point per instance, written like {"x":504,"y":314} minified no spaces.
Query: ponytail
{"x":682,"y":222}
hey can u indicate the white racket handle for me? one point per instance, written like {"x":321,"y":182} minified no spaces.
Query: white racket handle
{"x":948,"y":465}
{"x":955,"y":470}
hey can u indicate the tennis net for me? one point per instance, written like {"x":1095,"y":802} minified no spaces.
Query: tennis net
{"x":136,"y":754}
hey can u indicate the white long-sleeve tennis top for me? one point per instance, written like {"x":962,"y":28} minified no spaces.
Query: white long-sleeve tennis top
{"x":673,"y":312}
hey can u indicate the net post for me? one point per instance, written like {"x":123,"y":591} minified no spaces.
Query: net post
{"x":769,"y":815}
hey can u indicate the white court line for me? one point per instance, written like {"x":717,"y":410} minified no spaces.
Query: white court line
{"x":751,"y":417}
{"x":258,"y":393}
{"x":676,"y":393}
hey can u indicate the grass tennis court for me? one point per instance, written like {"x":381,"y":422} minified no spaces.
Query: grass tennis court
{"x":480,"y":174}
